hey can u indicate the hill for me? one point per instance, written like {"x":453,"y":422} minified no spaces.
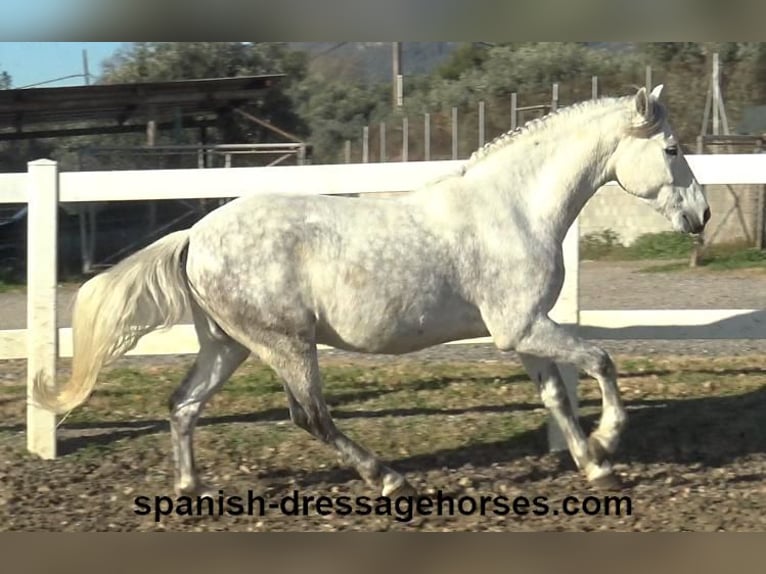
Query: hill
{"x":372,"y":60}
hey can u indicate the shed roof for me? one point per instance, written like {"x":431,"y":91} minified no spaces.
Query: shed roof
{"x":108,"y":108}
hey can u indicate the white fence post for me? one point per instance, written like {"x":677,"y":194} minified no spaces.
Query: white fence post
{"x":382,"y":142}
{"x":454,"y":134}
{"x":481,"y":123}
{"x":42,"y":332}
{"x":405,"y":139}
{"x":570,"y":315}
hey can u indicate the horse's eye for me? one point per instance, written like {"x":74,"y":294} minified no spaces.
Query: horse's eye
{"x":671,"y":150}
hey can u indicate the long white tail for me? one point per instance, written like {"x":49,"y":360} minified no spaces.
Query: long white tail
{"x":145,"y":292}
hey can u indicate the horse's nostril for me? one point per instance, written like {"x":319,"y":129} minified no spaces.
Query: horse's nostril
{"x":706,"y":215}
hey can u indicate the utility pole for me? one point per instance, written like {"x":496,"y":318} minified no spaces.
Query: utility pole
{"x":713,"y":105}
{"x":85,"y":70}
{"x":714,"y":102}
{"x":397,"y":79}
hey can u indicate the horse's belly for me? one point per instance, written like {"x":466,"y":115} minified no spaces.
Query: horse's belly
{"x":401,"y":333}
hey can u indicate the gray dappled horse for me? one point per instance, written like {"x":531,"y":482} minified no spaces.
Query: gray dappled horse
{"x":477,"y":253}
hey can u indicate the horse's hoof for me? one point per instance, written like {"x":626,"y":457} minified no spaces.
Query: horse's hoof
{"x":200,"y":490}
{"x":607,"y":482}
{"x":397,"y":488}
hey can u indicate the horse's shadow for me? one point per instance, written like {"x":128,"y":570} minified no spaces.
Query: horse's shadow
{"x":118,"y":430}
{"x":710,"y":431}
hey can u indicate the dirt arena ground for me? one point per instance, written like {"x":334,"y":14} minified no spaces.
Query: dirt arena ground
{"x":461,"y":421}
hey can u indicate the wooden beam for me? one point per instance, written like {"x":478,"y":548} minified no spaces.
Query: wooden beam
{"x":95,"y":130}
{"x":269,"y":126}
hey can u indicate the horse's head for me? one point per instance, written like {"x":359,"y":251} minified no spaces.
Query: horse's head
{"x":649,"y":164}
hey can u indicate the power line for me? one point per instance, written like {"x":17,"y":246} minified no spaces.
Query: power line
{"x":53,"y":80}
{"x":85,"y":74}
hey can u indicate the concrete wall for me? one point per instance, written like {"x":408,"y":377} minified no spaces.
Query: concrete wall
{"x":734,"y":214}
{"x":612,"y":208}
{"x":734,"y":210}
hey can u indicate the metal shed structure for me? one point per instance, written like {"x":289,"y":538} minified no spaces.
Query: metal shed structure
{"x":27,"y":113}
{"x":145,"y":107}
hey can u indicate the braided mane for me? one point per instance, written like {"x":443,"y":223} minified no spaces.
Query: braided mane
{"x":644,"y":129}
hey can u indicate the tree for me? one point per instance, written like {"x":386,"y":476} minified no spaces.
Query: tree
{"x":162,"y":61}
{"x":759,"y":72}
{"x":467,"y":57}
{"x":336,"y":110}
{"x":687,"y":67}
{"x":664,"y":53}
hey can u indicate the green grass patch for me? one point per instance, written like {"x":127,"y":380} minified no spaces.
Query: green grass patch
{"x":746,"y":258}
{"x":675,"y":248}
{"x":10,"y":286}
{"x":723,"y":258}
{"x":399,"y":410}
{"x":606,"y":245}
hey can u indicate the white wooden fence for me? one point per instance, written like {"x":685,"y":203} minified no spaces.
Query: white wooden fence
{"x":41,"y":343}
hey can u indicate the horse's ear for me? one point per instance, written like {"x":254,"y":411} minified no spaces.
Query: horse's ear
{"x":642,"y":102}
{"x":655,"y":95}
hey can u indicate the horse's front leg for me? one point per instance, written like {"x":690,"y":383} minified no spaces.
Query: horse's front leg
{"x":546,"y":339}
{"x":553,"y":393}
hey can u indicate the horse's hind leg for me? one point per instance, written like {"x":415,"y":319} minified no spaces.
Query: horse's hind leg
{"x":218,"y":358}
{"x":295,"y":361}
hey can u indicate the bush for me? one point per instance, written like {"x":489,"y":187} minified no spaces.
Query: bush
{"x":600,"y":245}
{"x":665,"y":245}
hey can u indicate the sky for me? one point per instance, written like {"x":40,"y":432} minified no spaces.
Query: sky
{"x":33,"y":62}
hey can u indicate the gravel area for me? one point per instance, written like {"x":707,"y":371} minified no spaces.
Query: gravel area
{"x":622,"y":285}
{"x":692,"y":458}
{"x":688,"y":464}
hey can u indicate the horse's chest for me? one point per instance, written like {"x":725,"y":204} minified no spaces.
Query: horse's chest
{"x":548,"y":274}
{"x":523,"y":282}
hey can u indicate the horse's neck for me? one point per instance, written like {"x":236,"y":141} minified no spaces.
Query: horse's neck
{"x":550,"y":176}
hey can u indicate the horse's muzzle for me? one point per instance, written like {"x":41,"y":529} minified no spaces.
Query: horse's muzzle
{"x":692,"y":223}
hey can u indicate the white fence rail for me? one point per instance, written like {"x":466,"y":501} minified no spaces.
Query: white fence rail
{"x":41,"y":343}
